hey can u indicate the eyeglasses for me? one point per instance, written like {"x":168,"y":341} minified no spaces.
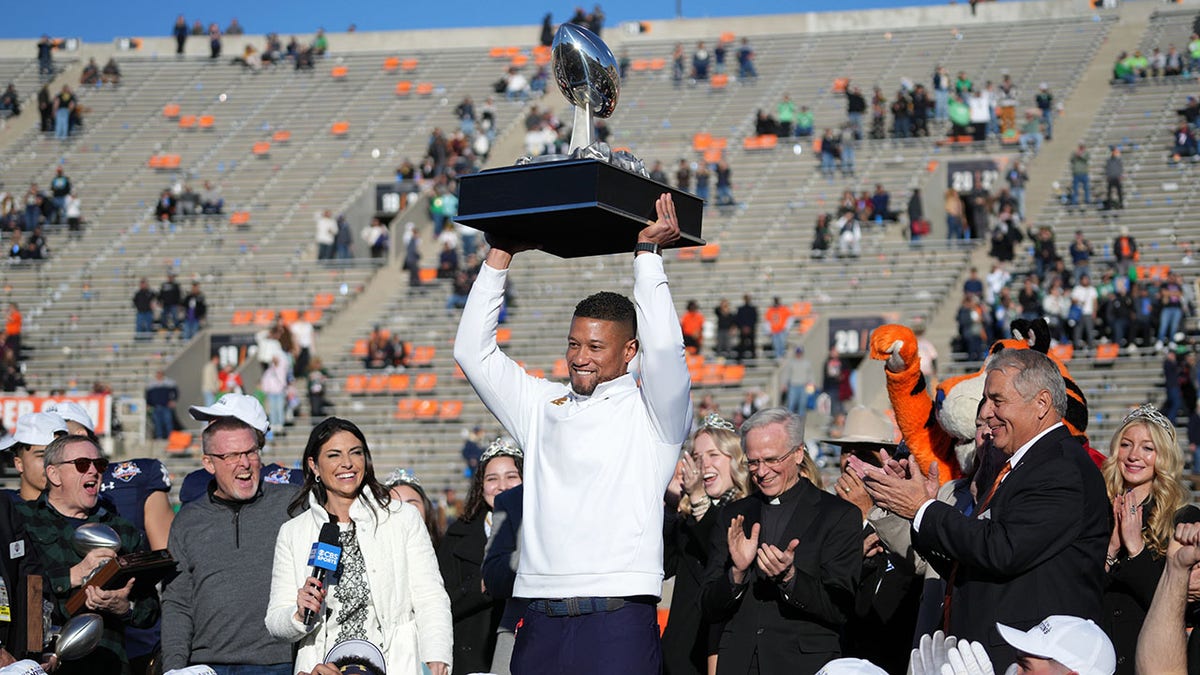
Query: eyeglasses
{"x":232,"y":458}
{"x":770,"y":462}
{"x":82,"y":464}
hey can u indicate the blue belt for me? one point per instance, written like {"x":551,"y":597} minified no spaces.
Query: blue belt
{"x":581,"y":606}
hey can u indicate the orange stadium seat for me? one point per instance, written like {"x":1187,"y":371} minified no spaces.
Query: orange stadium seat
{"x":1107,"y":353}
{"x":427,"y":409}
{"x":323,"y":301}
{"x":406,"y":409}
{"x":261,"y":148}
{"x":264,"y":317}
{"x":239,"y":218}
{"x":541,"y":59}
{"x":496,"y":52}
{"x":339,"y":72}
{"x":727,"y":37}
{"x":733,"y":374}
{"x":377,"y":384}
{"x":355,"y":384}
{"x":541,"y":50}
{"x":539,"y":373}
{"x":719,"y":81}
{"x":425,"y":88}
{"x":398,"y":383}
{"x":339,"y":128}
{"x":427,"y":275}
{"x":458,"y":373}
{"x":205,"y":122}
{"x":187,"y":122}
{"x":242,"y":317}
{"x":503,"y":335}
{"x":839,"y":85}
{"x":425,"y":383}
{"x":422,"y":355}
{"x":701,"y":141}
{"x":360,"y":348}
{"x":391,"y":63}
{"x":658,"y":64}
{"x":511,"y":51}
{"x":559,"y":371}
{"x":313,"y":315}
{"x":710,"y":252}
{"x":806,"y":324}
{"x":282,"y":136}
{"x":713,"y":155}
{"x":403,"y":87}
{"x":409,"y":64}
{"x":519,"y":60}
{"x":179,"y":442}
{"x":688,"y":253}
{"x":1063,"y":352}
{"x":640,"y":65}
{"x":450,"y":410}
{"x":171,"y":110}
{"x":801,"y":309}
{"x":289,"y":316}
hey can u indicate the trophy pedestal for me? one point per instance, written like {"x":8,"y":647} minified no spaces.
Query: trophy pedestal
{"x":147,"y":568}
{"x":572,"y":208}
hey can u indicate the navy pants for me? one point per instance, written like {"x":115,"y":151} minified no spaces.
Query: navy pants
{"x":624,"y":641}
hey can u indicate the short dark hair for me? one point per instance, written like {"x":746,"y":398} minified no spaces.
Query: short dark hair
{"x":364,"y":663}
{"x":609,"y":306}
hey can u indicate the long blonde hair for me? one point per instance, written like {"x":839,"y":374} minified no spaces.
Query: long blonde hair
{"x":810,"y":470}
{"x":1166,"y":490}
{"x":729,"y":444}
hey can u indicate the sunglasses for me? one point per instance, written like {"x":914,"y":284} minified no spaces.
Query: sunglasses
{"x":82,"y":463}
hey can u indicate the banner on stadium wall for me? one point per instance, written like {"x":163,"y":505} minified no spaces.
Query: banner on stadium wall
{"x":849,"y":335}
{"x":964,"y":174}
{"x":98,"y":406}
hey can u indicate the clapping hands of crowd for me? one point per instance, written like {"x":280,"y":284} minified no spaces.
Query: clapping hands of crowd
{"x":899,"y":486}
{"x":773,"y":562}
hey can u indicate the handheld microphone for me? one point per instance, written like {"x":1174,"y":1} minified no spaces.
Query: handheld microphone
{"x":323,"y":558}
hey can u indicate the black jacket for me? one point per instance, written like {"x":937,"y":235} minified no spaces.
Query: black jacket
{"x":685,"y":640}
{"x":476,"y":614}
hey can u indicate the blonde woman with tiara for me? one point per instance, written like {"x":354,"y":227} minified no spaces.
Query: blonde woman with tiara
{"x":1142,"y":474}
{"x":710,"y":474}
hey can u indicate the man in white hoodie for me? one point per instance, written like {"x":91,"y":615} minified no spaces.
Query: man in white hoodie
{"x":598,"y":457}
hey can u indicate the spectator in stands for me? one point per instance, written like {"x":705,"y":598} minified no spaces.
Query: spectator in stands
{"x":111,"y":72}
{"x":45,"y":104}
{"x":881,"y":205}
{"x":941,"y":93}
{"x":343,"y":240}
{"x":180,"y":31}
{"x":745,"y":57}
{"x":683,"y":176}
{"x":953,"y":205}
{"x":1190,"y":111}
{"x":516,"y":85}
{"x":829,"y":153}
{"x":164,"y":208}
{"x":197,"y":28}
{"x":64,"y":108}
{"x":901,"y":109}
{"x":785,"y":113}
{"x":91,"y":73}
{"x":849,"y":238}
{"x":161,"y":396}
{"x":327,"y":230}
{"x":746,"y":321}
{"x":1184,"y":143}
{"x":701,"y":61}
{"x":879,"y":106}
{"x":234,"y":28}
{"x":477,"y":613}
{"x":804,"y":122}
{"x":1085,"y":297}
{"x":60,"y":187}
{"x":779,"y":320}
{"x":1171,"y":382}
{"x":376,"y":238}
{"x":1142,"y":473}
{"x":726,"y":328}
{"x":10,"y":102}
{"x":856,"y":107}
{"x":45,"y":58}
{"x":214,"y":41}
{"x":796,"y":377}
{"x":320,"y":43}
{"x":1081,"y":252}
{"x":692,"y":326}
{"x":380,"y":350}
{"x":970,"y":319}
{"x":1171,"y":301}
{"x":1114,"y":174}
{"x":845,"y":149}
{"x":1017,"y":180}
{"x":1080,"y":181}
{"x":1005,"y":235}
{"x":143,"y":304}
{"x":13,"y":322}
{"x":195,"y":311}
{"x":210,"y":380}
{"x":724,"y":184}
{"x":1125,"y":252}
{"x":1045,"y":103}
{"x":211,"y":201}
{"x":274,"y":383}
{"x":170,"y":302}
{"x":835,"y":383}
{"x":1031,"y":133}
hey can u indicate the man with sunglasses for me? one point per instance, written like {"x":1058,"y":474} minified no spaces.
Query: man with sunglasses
{"x":223,"y":543}
{"x":74,"y":466}
{"x":783,"y":580}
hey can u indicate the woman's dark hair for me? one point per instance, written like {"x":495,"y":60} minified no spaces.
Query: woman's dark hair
{"x":476,"y":504}
{"x":319,"y":437}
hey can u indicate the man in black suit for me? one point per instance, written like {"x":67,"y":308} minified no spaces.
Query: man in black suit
{"x":1035,"y":546}
{"x":785,"y":561}
{"x":17,"y":564}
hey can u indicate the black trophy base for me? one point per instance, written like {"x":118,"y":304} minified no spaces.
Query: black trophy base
{"x":572,"y":208}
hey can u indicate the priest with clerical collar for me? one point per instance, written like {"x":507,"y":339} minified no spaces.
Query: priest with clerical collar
{"x":785,"y":577}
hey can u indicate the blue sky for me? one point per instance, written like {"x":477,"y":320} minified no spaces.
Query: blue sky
{"x":96,"y":20}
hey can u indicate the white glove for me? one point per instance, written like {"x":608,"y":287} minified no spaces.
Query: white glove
{"x":930,"y":655}
{"x":895,"y":363}
{"x":968,"y":658}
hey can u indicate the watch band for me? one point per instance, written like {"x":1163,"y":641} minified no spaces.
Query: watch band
{"x":647,"y":246}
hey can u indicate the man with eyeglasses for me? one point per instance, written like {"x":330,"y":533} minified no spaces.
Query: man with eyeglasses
{"x":783,"y":580}
{"x":224,"y":542}
{"x":74,"y":466}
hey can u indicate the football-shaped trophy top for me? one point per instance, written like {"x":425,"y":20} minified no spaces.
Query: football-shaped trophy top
{"x":90,"y":536}
{"x":586,"y":70}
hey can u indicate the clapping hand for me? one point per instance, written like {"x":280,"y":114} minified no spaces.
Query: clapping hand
{"x":742,"y":549}
{"x":1128,"y":512}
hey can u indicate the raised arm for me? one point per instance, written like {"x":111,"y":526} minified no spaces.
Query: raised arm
{"x":666,"y":385}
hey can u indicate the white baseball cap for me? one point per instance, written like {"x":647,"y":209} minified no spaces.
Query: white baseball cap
{"x":35,"y":429}
{"x":1076,"y":643}
{"x":359,"y":648}
{"x":238,"y":406}
{"x":851,"y":667}
{"x":73,"y":412}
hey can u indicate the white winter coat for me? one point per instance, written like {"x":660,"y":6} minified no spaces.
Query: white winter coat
{"x":402,"y":572}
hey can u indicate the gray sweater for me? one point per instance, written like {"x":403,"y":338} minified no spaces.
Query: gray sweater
{"x":213,"y":610}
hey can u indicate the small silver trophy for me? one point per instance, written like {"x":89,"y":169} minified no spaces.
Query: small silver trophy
{"x":587,"y":75}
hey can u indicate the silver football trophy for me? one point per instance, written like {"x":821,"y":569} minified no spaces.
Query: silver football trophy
{"x":592,"y":201}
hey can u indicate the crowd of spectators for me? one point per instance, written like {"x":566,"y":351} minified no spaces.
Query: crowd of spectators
{"x":168,"y":309}
{"x":180,"y":200}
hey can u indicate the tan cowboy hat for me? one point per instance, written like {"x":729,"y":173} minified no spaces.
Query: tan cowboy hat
{"x":866,"y":426}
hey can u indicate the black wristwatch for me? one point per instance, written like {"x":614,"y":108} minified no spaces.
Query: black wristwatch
{"x":647,"y":246}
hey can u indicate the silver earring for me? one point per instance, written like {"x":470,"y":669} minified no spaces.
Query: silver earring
{"x":318,"y":479}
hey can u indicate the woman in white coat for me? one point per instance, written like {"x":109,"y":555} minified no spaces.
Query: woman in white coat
{"x":387,"y":588}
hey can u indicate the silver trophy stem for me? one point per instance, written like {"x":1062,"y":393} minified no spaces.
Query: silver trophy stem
{"x":581,"y":129}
